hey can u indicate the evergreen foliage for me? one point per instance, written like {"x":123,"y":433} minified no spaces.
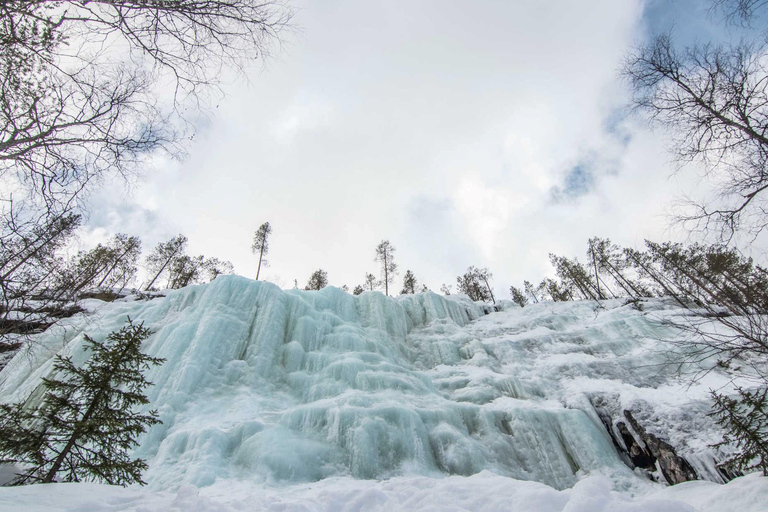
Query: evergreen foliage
{"x":518,"y":296}
{"x":86,"y":424}
{"x":409,"y":283}
{"x":745,"y":420}
{"x":358,"y":290}
{"x":718,"y":287}
{"x":111,"y":265}
{"x":163,"y":256}
{"x":168,"y":260}
{"x":261,"y":245}
{"x":370,"y":282}
{"x":476,"y":284}
{"x":385,"y":255}
{"x":318,"y":280}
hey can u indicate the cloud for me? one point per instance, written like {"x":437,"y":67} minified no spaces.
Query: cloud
{"x":484,"y":134}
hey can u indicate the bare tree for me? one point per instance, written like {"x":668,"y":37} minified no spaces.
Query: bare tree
{"x":714,"y":101}
{"x":78,"y":79}
{"x":740,"y":11}
{"x":79,"y":85}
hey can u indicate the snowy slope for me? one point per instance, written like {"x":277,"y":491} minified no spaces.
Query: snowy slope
{"x":292,"y":391}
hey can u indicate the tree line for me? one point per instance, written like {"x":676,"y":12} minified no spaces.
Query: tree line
{"x":475,"y":282}
{"x":39,"y":283}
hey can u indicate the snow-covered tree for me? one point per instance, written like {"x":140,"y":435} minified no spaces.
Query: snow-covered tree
{"x":358,"y":290}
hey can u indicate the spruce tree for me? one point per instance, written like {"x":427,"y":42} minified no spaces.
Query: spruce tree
{"x":370,"y":281}
{"x":318,"y":280}
{"x":518,"y":296}
{"x":409,"y":283}
{"x":86,"y":424}
{"x":745,"y":419}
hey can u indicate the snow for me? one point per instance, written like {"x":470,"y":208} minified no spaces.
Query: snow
{"x":481,"y":492}
{"x":320,"y":400}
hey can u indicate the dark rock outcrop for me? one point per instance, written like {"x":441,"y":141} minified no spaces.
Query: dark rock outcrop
{"x":674,"y":468}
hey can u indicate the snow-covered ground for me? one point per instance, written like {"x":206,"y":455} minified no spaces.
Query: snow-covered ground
{"x":295,"y":400}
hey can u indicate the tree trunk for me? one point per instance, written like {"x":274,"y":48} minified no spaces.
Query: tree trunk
{"x":261,"y":255}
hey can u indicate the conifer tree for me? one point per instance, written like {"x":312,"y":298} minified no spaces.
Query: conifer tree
{"x":518,"y":296}
{"x":358,"y":290}
{"x":409,"y":283}
{"x":385,"y":255}
{"x":745,"y":419}
{"x":446,"y":289}
{"x":370,"y":281}
{"x":86,"y":424}
{"x":261,"y":245}
{"x":214,"y":267}
{"x":318,"y":280}
{"x":476,"y":284}
{"x":531,"y":290}
{"x":163,"y":256}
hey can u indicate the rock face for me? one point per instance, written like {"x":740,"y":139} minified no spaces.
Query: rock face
{"x":674,"y":468}
{"x":639,"y":448}
{"x":637,"y":453}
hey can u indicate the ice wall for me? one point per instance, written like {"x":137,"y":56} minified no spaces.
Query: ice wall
{"x":293,"y":386}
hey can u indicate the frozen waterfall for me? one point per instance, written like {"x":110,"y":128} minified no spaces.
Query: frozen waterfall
{"x":297,"y":386}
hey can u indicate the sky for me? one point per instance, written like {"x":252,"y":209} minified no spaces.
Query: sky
{"x":486,"y":133}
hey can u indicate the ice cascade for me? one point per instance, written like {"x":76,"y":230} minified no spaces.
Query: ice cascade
{"x":296,"y":386}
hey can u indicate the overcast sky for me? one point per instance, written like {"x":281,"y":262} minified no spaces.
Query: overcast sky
{"x":466,"y":133}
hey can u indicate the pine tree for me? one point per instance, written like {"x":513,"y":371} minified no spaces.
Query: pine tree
{"x":531,"y":290}
{"x":86,"y":424}
{"x":358,"y":290}
{"x":214,"y":267}
{"x":476,"y":284}
{"x":261,"y":245}
{"x":745,"y":420}
{"x":385,"y":255}
{"x":370,"y":281}
{"x":409,"y":283}
{"x":163,"y":256}
{"x":518,"y":296}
